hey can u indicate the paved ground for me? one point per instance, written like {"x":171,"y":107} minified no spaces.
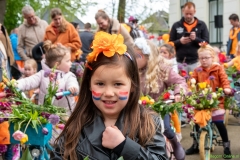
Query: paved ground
{"x":234,"y":136}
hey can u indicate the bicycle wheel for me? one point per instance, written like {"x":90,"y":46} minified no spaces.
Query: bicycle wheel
{"x":226,"y":117}
{"x":204,"y":146}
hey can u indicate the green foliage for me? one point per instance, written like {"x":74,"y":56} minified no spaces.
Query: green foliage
{"x":13,"y":17}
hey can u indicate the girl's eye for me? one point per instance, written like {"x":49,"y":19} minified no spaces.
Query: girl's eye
{"x":100,"y":84}
{"x":118,"y":84}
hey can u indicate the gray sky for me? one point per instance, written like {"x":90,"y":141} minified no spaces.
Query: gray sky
{"x":134,"y":9}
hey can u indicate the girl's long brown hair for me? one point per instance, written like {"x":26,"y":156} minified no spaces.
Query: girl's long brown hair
{"x":138,"y":121}
{"x":57,"y":11}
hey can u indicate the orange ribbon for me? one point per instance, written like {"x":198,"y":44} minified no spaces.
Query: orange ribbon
{"x":201,"y":117}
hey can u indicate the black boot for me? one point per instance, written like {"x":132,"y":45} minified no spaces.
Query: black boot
{"x":227,"y":152}
{"x":193,"y":149}
{"x":178,"y":151}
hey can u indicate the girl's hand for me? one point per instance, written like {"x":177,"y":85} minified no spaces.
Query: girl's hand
{"x":112,"y":137}
{"x":73,"y":91}
{"x":227,"y":91}
{"x":177,"y":98}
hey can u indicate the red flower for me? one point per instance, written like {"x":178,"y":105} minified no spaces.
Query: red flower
{"x":166,"y":96}
{"x":183,"y":73}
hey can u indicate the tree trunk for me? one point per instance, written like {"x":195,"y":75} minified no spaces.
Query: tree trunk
{"x":121,"y":10}
{"x":3,"y":4}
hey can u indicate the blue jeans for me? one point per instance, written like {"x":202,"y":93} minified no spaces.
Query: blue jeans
{"x":9,"y":154}
{"x":168,"y":132}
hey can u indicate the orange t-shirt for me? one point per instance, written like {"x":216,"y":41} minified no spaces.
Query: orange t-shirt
{"x":189,"y":27}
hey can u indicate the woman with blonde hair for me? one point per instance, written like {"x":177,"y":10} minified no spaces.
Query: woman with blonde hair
{"x":61,"y":31}
{"x":112,"y":26}
{"x":155,"y":77}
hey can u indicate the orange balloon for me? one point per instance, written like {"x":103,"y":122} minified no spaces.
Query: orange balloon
{"x":165,"y":38}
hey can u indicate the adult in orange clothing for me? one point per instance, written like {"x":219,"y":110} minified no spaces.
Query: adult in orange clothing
{"x":61,"y":31}
{"x":186,"y":35}
{"x":234,"y":35}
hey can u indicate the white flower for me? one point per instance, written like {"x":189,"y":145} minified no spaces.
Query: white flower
{"x":211,"y":101}
{"x":139,"y":101}
{"x":214,"y":95}
{"x":193,"y":81}
{"x":193,"y":85}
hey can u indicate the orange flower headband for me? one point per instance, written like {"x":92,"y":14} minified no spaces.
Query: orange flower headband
{"x":108,"y":45}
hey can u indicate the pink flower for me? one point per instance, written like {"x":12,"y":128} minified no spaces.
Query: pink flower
{"x":3,"y":148}
{"x":60,"y":126}
{"x":45,"y":131}
{"x":18,"y":135}
{"x":52,"y":76}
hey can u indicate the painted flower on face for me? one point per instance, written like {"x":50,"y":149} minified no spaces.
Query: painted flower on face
{"x":107,"y":44}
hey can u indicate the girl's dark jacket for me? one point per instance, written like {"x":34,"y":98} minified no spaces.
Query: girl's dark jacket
{"x":90,"y":144}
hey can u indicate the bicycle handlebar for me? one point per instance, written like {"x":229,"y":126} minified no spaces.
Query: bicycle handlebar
{"x":63,"y":93}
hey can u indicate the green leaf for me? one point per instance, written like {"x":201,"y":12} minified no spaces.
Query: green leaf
{"x":34,"y":123}
{"x":26,"y":155}
{"x":120,"y":158}
{"x":35,"y":115}
{"x":86,"y":158}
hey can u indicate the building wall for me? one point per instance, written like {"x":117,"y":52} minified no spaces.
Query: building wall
{"x":202,"y":12}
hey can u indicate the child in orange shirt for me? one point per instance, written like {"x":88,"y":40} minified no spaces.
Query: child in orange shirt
{"x":215,"y":72}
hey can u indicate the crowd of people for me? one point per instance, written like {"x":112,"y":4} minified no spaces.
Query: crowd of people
{"x":106,"y":120}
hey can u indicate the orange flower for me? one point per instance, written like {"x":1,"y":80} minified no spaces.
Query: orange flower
{"x":107,"y":44}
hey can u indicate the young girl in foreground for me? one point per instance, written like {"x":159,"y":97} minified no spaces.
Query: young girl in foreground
{"x":60,"y":58}
{"x":108,"y":122}
{"x":208,"y":68}
{"x":156,"y":75}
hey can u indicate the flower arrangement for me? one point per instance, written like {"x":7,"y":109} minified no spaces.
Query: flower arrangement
{"x":164,"y":103}
{"x":201,"y":95}
{"x":22,"y":113}
{"x":200,"y":101}
{"x":232,"y":72}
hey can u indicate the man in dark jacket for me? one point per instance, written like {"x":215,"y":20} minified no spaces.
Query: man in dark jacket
{"x":186,"y":35}
{"x":86,"y":38}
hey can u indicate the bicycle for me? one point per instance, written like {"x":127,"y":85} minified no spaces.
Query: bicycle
{"x":207,"y":138}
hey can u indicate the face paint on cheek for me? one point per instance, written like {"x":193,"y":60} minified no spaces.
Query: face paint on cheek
{"x":123,"y":95}
{"x":96,"y":96}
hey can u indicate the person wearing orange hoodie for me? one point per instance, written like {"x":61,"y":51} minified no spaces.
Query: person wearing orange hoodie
{"x":61,"y":31}
{"x":213,"y":72}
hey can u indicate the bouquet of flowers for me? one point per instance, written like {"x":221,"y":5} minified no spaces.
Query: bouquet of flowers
{"x":233,"y":73}
{"x":22,"y":113}
{"x":200,"y":101}
{"x":164,"y":105}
